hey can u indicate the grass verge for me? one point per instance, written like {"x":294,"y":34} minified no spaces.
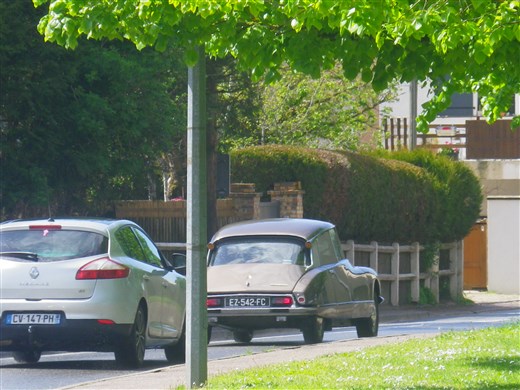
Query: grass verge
{"x":480,"y":359}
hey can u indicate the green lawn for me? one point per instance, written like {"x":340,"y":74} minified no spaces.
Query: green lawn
{"x":482,"y":359}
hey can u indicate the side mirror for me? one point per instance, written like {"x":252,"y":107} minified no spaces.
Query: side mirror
{"x":179,"y":263}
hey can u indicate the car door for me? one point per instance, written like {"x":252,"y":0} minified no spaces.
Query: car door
{"x":352,"y":285}
{"x":172,"y":287}
{"x":147,"y":275}
{"x":323,"y":251}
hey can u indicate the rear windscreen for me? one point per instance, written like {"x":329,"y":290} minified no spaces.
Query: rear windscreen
{"x":50,"y":245}
{"x":259,"y":250}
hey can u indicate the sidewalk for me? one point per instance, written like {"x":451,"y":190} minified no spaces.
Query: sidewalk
{"x":171,"y":377}
{"x":482,"y":301}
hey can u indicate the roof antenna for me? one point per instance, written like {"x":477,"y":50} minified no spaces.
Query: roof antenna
{"x":50,"y":214}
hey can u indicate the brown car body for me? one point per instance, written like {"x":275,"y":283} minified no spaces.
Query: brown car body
{"x":287,"y":273}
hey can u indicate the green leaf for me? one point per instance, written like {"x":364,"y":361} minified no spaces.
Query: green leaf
{"x":191,"y":57}
{"x":162,"y":43}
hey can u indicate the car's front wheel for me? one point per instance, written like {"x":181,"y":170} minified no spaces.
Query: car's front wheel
{"x":131,"y":353}
{"x":313,"y":332}
{"x":30,"y":356}
{"x":242,"y":336}
{"x":369,"y":327}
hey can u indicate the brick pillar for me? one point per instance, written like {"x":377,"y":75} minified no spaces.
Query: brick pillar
{"x":290,"y":196}
{"x":246,"y":201}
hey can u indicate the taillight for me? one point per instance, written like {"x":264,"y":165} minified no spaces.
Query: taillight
{"x":103,"y":268}
{"x":105,"y":322}
{"x":281,"y":301}
{"x":214,"y":302}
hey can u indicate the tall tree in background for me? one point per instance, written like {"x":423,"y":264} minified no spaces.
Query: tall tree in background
{"x":81,"y":128}
{"x":237,"y":111}
{"x":330,"y":111}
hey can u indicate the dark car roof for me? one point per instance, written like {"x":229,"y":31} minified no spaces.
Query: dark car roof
{"x":297,"y":227}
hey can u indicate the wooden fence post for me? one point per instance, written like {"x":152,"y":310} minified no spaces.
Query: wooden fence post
{"x":351,"y":252}
{"x":456,"y":268}
{"x":374,"y":256}
{"x":414,"y":259}
{"x":394,"y":287}
{"x":434,"y":276}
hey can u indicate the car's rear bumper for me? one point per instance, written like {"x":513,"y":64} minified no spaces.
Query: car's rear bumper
{"x":70,"y":335}
{"x":292,"y":317}
{"x":261,"y":318}
{"x":117,"y":303}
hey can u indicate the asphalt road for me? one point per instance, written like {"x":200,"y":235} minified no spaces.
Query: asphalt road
{"x":98,"y":370}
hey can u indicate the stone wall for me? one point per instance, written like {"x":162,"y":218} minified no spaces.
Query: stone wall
{"x":246,"y":200}
{"x":290,"y":197}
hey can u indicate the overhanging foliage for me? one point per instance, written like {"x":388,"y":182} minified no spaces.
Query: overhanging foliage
{"x":458,"y":45}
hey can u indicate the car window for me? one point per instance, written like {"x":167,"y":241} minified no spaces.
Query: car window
{"x":152,"y":254}
{"x":52,"y":245}
{"x":138,"y":246}
{"x":323,"y":249}
{"x":259,"y":250}
{"x":336,"y":244}
{"x":129,"y":243}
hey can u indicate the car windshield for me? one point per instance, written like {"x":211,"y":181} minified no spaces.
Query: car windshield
{"x":259,"y":250}
{"x":50,"y":245}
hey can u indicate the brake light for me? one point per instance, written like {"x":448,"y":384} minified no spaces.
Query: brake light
{"x":213,"y":302}
{"x":45,"y":227}
{"x":103,"y":268}
{"x":281,"y":301}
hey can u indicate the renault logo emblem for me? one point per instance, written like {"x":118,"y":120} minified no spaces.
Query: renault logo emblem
{"x":34,"y":273}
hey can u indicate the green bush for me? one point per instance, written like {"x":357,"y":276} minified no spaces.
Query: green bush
{"x":458,"y":191}
{"x":388,"y":201}
{"x":402,"y":197}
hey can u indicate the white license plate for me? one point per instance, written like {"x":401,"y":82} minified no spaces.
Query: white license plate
{"x":33,"y":318}
{"x":248,"y":302}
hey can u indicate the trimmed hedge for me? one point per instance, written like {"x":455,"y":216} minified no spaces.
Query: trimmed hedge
{"x":458,"y":190}
{"x":370,"y":198}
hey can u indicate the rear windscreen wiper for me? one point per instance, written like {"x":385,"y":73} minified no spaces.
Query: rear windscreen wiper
{"x":22,"y":255}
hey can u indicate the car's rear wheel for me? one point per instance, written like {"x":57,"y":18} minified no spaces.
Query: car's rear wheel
{"x":29,"y":356}
{"x":242,"y":336}
{"x":369,"y":327}
{"x":131,"y":353}
{"x":210,"y":331}
{"x":177,"y":353}
{"x":313,"y":332}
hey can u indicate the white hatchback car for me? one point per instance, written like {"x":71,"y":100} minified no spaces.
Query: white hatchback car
{"x":88,"y":285}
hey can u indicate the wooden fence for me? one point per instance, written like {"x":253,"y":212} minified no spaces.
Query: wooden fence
{"x":478,"y":139}
{"x":402,"y":275}
{"x":396,"y":136}
{"x":496,"y":141}
{"x":166,"y":221}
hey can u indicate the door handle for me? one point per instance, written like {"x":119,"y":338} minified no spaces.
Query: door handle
{"x":146,"y":277}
